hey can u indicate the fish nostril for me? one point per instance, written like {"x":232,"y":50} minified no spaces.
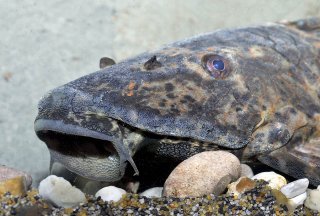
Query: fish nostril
{"x":152,"y":63}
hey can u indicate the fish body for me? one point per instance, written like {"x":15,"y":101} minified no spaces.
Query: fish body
{"x":253,"y":91}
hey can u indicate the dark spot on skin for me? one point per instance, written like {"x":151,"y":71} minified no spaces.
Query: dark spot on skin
{"x":189,"y":98}
{"x":284,"y":137}
{"x":169,"y":87}
{"x":292,"y":111}
{"x":277,"y":115}
{"x":146,"y":88}
{"x":183,"y":101}
{"x":171,"y":95}
{"x":259,"y":135}
{"x":279,"y":134}
{"x":241,"y":98}
{"x":162,"y":104}
{"x":280,"y":117}
{"x":175,"y":110}
{"x":152,"y":63}
{"x":238,"y":109}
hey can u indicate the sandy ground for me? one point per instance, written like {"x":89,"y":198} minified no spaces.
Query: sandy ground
{"x":48,"y":43}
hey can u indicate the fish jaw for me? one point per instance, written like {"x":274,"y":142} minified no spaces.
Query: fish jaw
{"x":95,"y":150}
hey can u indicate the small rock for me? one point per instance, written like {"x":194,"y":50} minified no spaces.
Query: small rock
{"x":152,"y":192}
{"x":293,"y":203}
{"x":9,"y":173}
{"x":275,"y":180}
{"x":60,"y":192}
{"x":16,"y":186}
{"x":313,"y":199}
{"x":240,"y":186}
{"x":246,"y":171}
{"x":132,"y":187}
{"x":110,"y":193}
{"x":204,"y":173}
{"x":295,"y":188}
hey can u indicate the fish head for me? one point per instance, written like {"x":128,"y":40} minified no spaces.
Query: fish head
{"x":212,"y":88}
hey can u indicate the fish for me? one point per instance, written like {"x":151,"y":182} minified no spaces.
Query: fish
{"x":253,"y":91}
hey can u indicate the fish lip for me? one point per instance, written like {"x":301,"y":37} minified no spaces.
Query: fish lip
{"x":58,"y":126}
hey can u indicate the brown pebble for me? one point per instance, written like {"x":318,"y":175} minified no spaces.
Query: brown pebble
{"x":240,"y":186}
{"x":9,"y":173}
{"x":204,"y":173}
{"x":16,"y":186}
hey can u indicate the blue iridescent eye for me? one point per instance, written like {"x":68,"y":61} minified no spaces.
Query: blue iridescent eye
{"x":218,"y":65}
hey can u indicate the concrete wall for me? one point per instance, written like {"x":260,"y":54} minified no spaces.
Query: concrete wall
{"x":48,"y":43}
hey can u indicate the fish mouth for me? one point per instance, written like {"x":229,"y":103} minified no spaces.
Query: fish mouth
{"x":86,"y":152}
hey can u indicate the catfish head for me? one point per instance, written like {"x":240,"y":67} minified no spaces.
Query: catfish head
{"x":230,"y":89}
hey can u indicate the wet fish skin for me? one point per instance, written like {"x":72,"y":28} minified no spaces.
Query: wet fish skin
{"x":264,"y":100}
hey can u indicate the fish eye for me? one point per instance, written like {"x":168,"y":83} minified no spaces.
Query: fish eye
{"x":216,"y":65}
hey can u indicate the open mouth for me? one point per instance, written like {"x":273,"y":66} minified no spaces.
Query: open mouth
{"x":88,"y":153}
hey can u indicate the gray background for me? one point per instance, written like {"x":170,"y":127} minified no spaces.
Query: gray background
{"x":44,"y":44}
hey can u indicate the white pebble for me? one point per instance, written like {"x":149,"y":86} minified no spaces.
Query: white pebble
{"x":152,"y":192}
{"x":313,"y":199}
{"x":296,"y":201}
{"x":60,"y":192}
{"x":275,"y":180}
{"x":295,"y":188}
{"x":110,"y":193}
{"x":246,"y":171}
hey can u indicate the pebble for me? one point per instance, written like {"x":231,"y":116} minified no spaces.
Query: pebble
{"x":257,"y":201}
{"x":293,"y":203}
{"x":152,"y":192}
{"x":9,"y":173}
{"x":275,"y":180}
{"x":60,"y":192}
{"x":240,"y":186}
{"x":110,"y":193}
{"x":204,"y":173}
{"x":16,"y":186}
{"x":246,"y":171}
{"x":295,"y":188}
{"x":313,"y":199}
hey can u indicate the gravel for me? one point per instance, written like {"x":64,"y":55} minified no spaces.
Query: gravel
{"x":258,"y":201}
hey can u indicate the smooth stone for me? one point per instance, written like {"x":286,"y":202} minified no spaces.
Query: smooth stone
{"x":60,"y":192}
{"x":246,"y":171}
{"x":240,"y":186}
{"x":9,"y":173}
{"x":295,"y":188}
{"x":203,"y":173}
{"x":313,"y":199}
{"x":110,"y":193}
{"x":293,"y":203}
{"x":152,"y":192}
{"x":16,"y":186}
{"x":275,"y":180}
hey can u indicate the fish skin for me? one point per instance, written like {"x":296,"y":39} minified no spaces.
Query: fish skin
{"x":265,"y":99}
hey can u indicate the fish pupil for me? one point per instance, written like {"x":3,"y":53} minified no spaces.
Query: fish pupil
{"x":218,"y":65}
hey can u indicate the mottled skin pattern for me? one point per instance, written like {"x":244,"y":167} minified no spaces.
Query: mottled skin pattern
{"x":264,"y":105}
